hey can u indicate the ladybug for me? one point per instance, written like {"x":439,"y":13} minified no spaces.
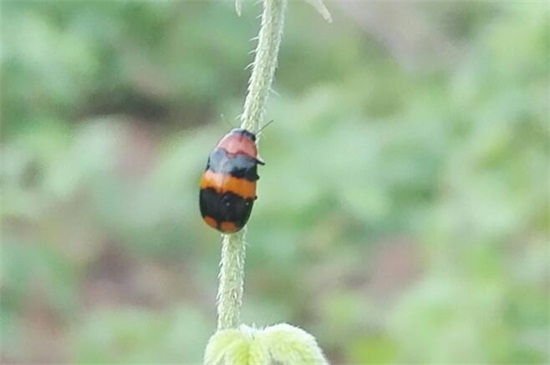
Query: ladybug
{"x":228,"y":185}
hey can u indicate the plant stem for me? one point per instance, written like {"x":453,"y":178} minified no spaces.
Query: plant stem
{"x":265,"y":63}
{"x":230,"y":292}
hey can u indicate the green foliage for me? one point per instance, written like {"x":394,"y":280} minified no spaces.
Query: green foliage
{"x":133,"y":335}
{"x":402,"y":213}
{"x":278,"y":344}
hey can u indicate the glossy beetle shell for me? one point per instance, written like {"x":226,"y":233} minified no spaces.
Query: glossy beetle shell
{"x":228,"y":185}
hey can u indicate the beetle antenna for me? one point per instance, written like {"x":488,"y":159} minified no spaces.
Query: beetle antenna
{"x":263,"y":127}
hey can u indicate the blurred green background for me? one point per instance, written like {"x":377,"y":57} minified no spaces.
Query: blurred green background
{"x":402,"y":214}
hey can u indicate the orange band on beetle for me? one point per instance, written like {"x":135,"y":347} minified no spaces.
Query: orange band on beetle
{"x":211,"y":222}
{"x":229,"y":227}
{"x":223,"y":183}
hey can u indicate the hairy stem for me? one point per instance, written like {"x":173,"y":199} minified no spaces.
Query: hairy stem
{"x":265,"y":63}
{"x":230,"y":292}
{"x":231,"y":276}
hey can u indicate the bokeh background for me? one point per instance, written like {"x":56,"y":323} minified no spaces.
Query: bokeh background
{"x":402,"y":214}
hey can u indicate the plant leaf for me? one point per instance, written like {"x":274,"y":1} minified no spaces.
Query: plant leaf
{"x":321,"y":8}
{"x":219,"y":344}
{"x":243,"y":346}
{"x":238,"y":7}
{"x":259,"y":351}
{"x":292,"y":345}
{"x":238,"y":353}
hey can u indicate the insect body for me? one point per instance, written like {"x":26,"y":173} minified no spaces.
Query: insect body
{"x":228,"y":185}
